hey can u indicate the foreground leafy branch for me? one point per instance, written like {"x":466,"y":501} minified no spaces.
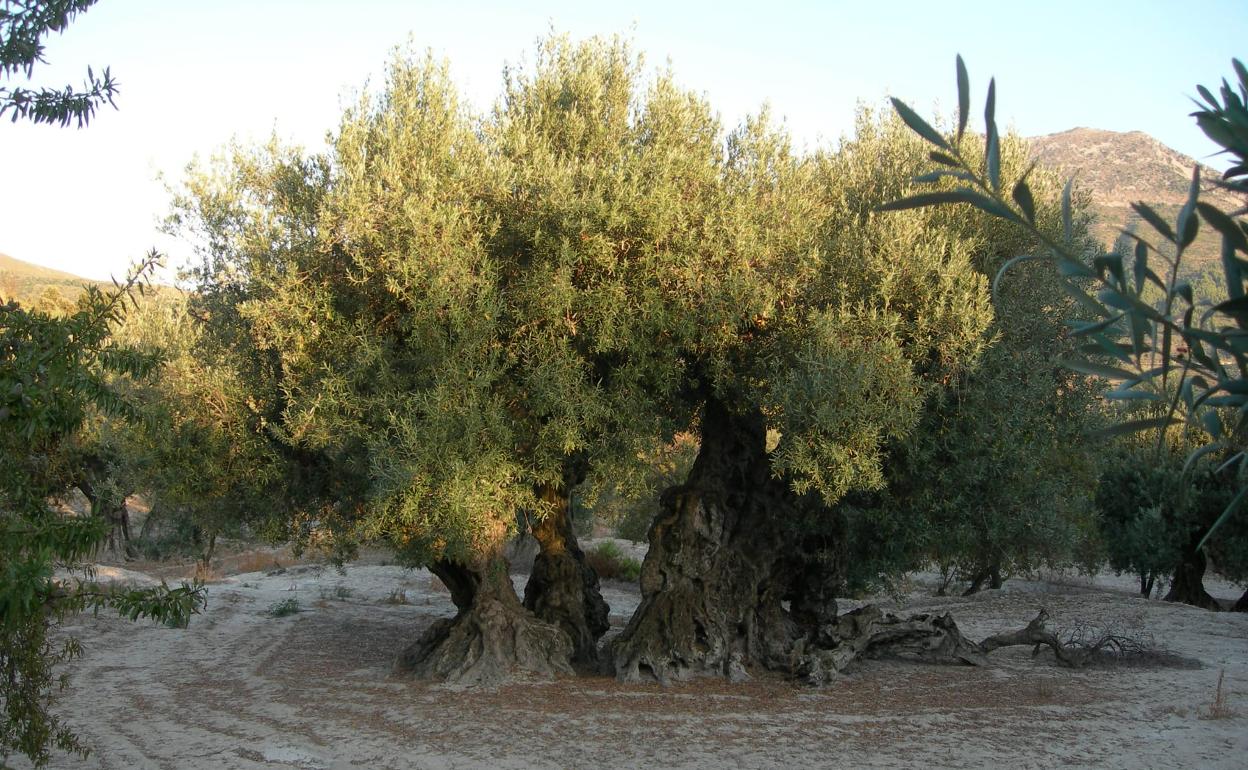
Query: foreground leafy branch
{"x":23,"y":25}
{"x":54,"y":373}
{"x":1188,"y":366}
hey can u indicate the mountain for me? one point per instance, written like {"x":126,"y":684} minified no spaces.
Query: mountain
{"x":26,"y":282}
{"x":1120,"y":168}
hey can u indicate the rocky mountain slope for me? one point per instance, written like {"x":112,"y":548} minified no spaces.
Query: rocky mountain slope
{"x":1119,"y":168}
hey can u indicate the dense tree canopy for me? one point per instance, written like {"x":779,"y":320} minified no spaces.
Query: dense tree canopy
{"x":996,"y":477}
{"x":456,"y":318}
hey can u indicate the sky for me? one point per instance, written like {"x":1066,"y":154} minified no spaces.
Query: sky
{"x":197,"y":74}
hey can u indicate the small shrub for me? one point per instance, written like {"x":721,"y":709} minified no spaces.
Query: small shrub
{"x":204,"y":573}
{"x":397,"y":596}
{"x":341,"y":593}
{"x":612,"y":563}
{"x":1219,"y":709}
{"x":284,"y":608}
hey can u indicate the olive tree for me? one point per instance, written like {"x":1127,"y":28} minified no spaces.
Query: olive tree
{"x":466,"y":316}
{"x":996,"y":479}
{"x":1186,"y":362}
{"x":828,"y":324}
{"x":198,"y":453}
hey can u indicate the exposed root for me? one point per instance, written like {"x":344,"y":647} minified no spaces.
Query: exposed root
{"x":871,"y":633}
{"x":492,"y":640}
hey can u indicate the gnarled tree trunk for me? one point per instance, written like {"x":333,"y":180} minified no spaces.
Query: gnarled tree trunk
{"x":990,"y":575}
{"x":710,"y":598}
{"x":1188,"y":585}
{"x":727,"y":548}
{"x":492,"y":638}
{"x":563,"y":589}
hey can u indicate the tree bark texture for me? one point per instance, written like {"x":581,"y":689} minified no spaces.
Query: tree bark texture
{"x":492,"y":638}
{"x":563,"y":589}
{"x":711,"y":603}
{"x":871,"y":633}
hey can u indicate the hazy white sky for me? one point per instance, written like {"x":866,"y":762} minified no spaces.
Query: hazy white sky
{"x":195,"y":73}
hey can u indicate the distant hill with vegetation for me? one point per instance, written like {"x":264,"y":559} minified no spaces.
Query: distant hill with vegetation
{"x":28,"y":282}
{"x":47,"y":289}
{"x":1119,"y":168}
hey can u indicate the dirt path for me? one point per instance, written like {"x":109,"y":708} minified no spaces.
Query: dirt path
{"x":241,"y":689}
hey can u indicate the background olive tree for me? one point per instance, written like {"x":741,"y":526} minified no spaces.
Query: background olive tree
{"x":1187,"y":362}
{"x":57,"y":372}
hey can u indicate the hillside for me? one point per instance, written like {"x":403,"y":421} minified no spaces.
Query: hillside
{"x":26,"y":282}
{"x":1120,"y":168}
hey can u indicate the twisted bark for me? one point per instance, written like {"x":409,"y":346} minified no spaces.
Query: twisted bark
{"x":563,"y":589}
{"x":711,"y":600}
{"x":492,"y":638}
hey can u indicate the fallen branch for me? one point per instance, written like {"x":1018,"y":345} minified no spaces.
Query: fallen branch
{"x":872,"y":633}
{"x":1084,"y":644}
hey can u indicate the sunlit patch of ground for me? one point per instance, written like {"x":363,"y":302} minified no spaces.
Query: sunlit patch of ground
{"x":243,"y":689}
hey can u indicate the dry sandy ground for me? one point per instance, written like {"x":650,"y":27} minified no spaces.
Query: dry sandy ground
{"x":241,"y":689}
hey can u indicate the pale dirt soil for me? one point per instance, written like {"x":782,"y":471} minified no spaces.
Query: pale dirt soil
{"x":240,"y":689}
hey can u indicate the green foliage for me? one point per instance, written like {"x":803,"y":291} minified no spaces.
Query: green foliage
{"x":970,"y":485}
{"x":611,"y":563}
{"x":59,"y":367}
{"x":284,"y":608}
{"x":1192,"y":363}
{"x":443,"y":312}
{"x":630,"y":501}
{"x":198,"y":451}
{"x":23,"y":25}
{"x":1150,"y":512}
{"x":55,"y":375}
{"x":880,"y":311}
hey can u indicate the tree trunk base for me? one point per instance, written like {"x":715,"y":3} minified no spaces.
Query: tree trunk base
{"x":713,"y":580}
{"x":563,"y":589}
{"x":681,"y":634}
{"x":492,"y":640}
{"x":1188,"y":586}
{"x":710,"y":598}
